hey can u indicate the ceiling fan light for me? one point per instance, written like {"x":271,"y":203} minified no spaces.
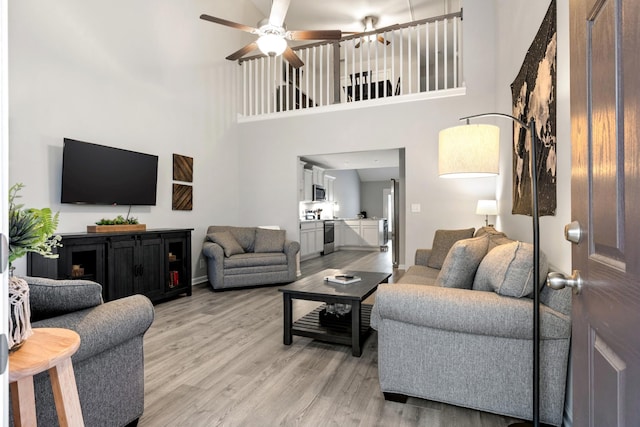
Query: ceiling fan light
{"x":271,"y":44}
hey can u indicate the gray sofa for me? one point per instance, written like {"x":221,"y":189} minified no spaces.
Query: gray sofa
{"x":457,"y":328}
{"x":248,"y":256}
{"x":109,"y":364}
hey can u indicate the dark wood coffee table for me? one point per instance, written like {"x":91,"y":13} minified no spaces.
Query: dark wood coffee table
{"x":315,"y":288}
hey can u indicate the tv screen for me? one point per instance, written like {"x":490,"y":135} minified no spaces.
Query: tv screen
{"x":96,"y":174}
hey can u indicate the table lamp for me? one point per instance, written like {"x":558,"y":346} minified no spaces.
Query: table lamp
{"x":486,"y":208}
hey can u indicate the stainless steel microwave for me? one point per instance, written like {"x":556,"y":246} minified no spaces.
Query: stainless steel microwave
{"x":319,"y":193}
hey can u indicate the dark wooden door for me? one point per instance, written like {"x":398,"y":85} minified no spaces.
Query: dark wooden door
{"x":151,"y":270}
{"x":123,"y":267}
{"x":605,"y":122}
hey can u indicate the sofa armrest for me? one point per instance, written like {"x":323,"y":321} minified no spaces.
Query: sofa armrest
{"x":422,"y":256}
{"x":291,"y":248}
{"x":467,"y":311}
{"x":213,"y":251}
{"x":106,"y":325}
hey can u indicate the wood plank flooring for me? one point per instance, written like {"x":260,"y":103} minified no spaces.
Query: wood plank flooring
{"x":217,"y":359}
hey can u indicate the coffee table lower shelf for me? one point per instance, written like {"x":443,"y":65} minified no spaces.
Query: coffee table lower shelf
{"x":309,"y":326}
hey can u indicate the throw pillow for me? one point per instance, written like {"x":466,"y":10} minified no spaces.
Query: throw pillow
{"x":461,"y":263}
{"x":49,"y":298}
{"x":227,"y":241}
{"x":269,"y":240}
{"x":442,"y":242}
{"x":508,"y":270}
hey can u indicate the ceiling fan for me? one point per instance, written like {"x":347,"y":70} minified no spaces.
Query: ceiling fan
{"x":273,"y":35}
{"x":369,"y":23}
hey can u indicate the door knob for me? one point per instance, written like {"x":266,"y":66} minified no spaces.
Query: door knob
{"x":573,"y":232}
{"x":559,"y":281}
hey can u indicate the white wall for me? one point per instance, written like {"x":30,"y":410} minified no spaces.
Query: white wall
{"x":372,"y":197}
{"x":269,"y":148}
{"x":346,"y":189}
{"x":517,"y":24}
{"x":147,"y":76}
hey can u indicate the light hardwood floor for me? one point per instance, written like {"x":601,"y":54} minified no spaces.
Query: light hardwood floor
{"x":217,"y":358}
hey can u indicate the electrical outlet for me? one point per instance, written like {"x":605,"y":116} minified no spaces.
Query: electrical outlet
{"x":201,"y":263}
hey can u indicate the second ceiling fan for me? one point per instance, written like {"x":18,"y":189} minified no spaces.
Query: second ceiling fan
{"x":273,"y":35}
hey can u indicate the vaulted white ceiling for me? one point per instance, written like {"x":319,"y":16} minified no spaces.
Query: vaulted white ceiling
{"x":347,"y":15}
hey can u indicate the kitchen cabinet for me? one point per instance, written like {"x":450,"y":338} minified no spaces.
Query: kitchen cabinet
{"x":351,"y":233}
{"x":311,"y":238}
{"x":370,"y":233}
{"x":328,"y":186}
{"x":155,"y":263}
{"x":361,"y":233}
{"x":318,"y":175}
{"x":308,"y":185}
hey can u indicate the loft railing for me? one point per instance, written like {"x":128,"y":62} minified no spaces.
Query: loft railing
{"x":404,"y":59}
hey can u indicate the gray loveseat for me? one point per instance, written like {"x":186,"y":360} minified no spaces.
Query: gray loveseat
{"x":457,"y":328}
{"x":248,"y":256}
{"x":109,"y":364}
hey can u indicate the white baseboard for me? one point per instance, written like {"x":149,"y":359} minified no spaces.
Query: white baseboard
{"x":198,"y":280}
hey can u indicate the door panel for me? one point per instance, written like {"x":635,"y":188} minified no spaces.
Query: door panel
{"x":123,"y":274}
{"x":605,"y":183}
{"x":153,"y":275}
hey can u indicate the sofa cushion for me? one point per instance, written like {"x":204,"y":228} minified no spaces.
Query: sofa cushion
{"x":460,"y":265}
{"x":244,"y":235}
{"x":49,"y":298}
{"x":269,"y":240}
{"x":419,"y":275}
{"x":255,"y":259}
{"x":227,"y":241}
{"x":442,"y":242}
{"x":508,"y":270}
{"x":496,"y":240}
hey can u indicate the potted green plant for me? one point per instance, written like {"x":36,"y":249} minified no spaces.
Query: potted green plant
{"x":30,"y":230}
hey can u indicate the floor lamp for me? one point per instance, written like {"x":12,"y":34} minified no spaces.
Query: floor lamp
{"x":472,"y":151}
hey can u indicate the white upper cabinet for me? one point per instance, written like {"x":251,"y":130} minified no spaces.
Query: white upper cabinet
{"x":318,"y":175}
{"x":328,"y":185}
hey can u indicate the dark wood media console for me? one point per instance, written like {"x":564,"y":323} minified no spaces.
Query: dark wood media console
{"x":155,"y":263}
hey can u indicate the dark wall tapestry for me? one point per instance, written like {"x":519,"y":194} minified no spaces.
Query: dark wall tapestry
{"x":534,"y":96}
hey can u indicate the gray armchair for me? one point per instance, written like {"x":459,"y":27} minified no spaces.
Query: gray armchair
{"x":109,"y":365}
{"x":248,"y":256}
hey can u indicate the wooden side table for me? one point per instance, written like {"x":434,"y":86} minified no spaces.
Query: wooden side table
{"x":48,"y":349}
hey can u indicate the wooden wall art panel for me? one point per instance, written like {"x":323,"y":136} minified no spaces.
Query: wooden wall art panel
{"x":182,"y":197}
{"x":182,"y":168}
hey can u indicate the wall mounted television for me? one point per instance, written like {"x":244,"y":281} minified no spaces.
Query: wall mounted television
{"x":101,"y":175}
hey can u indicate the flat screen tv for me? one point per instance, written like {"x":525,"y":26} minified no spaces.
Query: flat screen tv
{"x":101,"y":175}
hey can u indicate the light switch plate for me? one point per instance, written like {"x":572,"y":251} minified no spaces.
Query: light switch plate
{"x":415,"y":207}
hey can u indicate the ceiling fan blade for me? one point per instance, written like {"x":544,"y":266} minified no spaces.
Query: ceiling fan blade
{"x":231,"y":24}
{"x":242,"y":52}
{"x":278,"y":12}
{"x":292,"y":58}
{"x":315,"y":35}
{"x":383,"y":41}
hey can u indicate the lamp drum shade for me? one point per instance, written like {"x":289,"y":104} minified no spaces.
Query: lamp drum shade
{"x":487,"y":207}
{"x":469,"y":151}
